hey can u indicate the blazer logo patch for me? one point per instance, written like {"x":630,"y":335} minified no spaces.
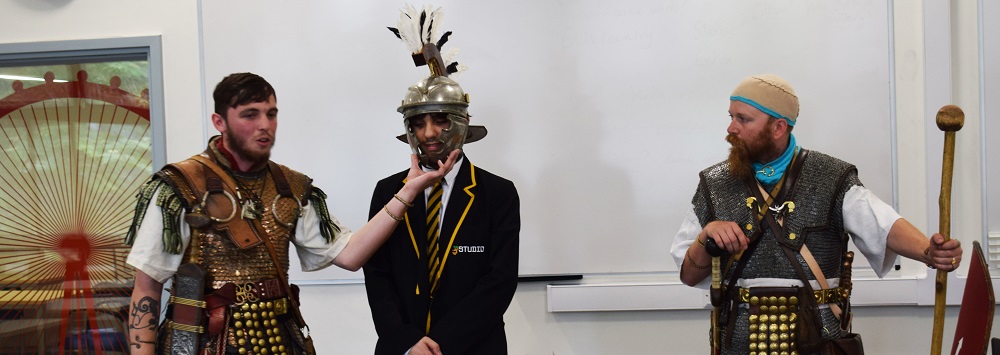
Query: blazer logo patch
{"x":467,"y":249}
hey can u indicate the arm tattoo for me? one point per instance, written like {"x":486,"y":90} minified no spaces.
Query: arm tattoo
{"x":145,"y":315}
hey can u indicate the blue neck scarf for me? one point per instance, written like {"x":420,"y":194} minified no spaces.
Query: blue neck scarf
{"x":770,"y":173}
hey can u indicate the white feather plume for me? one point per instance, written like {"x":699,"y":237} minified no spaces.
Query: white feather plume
{"x":461,"y":68}
{"x":449,"y":56}
{"x":434,"y":18}
{"x":425,"y":28}
{"x":409,"y":28}
{"x":415,"y":35}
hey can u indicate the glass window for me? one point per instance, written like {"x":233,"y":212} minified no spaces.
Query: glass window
{"x":75,"y":145}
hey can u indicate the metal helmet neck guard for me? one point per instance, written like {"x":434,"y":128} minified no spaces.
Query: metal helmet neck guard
{"x":437,"y":93}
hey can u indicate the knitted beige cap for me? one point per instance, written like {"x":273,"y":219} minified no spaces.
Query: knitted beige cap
{"x":770,"y":94}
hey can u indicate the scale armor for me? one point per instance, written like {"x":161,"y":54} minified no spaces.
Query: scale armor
{"x":817,"y":221}
{"x":218,"y":255}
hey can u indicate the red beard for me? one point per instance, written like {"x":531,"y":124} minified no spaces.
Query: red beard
{"x":743,"y":154}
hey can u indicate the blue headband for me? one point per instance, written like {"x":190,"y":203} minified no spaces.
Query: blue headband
{"x":762,"y":108}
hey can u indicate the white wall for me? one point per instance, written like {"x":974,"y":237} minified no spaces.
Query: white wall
{"x":339,"y":314}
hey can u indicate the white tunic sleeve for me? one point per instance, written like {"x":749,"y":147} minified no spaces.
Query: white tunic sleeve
{"x":868,"y":219}
{"x":686,"y":235}
{"x":690,"y":228}
{"x":313,"y":250}
{"x":147,"y":251}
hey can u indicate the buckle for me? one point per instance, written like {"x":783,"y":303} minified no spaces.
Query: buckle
{"x":281,"y":306}
{"x":830,"y":295}
{"x":820,"y":296}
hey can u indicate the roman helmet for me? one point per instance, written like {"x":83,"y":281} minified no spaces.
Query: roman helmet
{"x":436,"y":93}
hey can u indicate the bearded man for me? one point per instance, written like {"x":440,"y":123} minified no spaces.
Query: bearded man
{"x":221,"y":224}
{"x":777,"y":217}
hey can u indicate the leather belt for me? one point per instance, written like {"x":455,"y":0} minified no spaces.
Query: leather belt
{"x":829,"y":295}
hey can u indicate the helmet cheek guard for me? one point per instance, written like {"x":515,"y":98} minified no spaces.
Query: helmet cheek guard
{"x":453,"y":138}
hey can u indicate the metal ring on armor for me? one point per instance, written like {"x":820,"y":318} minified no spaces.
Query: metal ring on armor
{"x":274,"y":204}
{"x":204,"y":200}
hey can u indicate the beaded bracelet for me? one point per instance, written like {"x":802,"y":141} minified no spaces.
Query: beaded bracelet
{"x":386,"y":208}
{"x":407,"y":204}
{"x":696,"y":266}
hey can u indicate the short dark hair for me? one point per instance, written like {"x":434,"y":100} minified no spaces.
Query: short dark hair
{"x":241,"y":89}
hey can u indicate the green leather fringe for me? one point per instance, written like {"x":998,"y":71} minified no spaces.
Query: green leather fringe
{"x":172,"y":206}
{"x":327,"y":228}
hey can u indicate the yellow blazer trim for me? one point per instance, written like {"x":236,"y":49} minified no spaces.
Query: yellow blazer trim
{"x":406,"y":216}
{"x":472,"y":198}
{"x":412,"y":239}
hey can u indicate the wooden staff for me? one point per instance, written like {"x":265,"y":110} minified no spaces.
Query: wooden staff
{"x":950,"y":119}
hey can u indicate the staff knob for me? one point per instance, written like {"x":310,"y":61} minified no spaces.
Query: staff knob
{"x":713,"y":249}
{"x":950,"y":118}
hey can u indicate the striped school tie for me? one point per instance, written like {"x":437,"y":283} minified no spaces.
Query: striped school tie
{"x":433,"y":234}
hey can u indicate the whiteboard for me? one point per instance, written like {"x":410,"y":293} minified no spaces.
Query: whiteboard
{"x":601,"y":112}
{"x":991,"y":111}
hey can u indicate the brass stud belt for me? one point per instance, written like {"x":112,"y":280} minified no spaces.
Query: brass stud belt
{"x":256,"y":329}
{"x":829,"y":295}
{"x":773,"y":327}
